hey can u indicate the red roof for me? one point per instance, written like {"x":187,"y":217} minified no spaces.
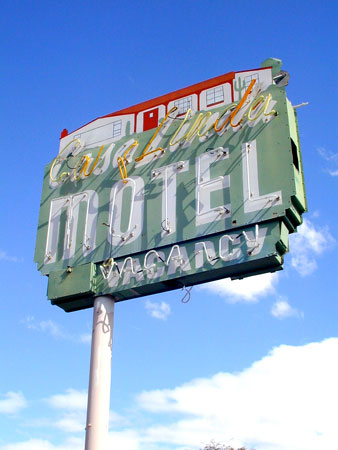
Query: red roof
{"x":165,"y":99}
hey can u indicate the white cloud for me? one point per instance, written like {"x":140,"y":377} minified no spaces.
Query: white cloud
{"x":12,"y":403}
{"x":158,"y":310}
{"x":73,"y":406}
{"x":331,"y":158}
{"x":328,"y":155}
{"x":86,"y":338}
{"x":67,"y":422}
{"x":309,"y":241}
{"x":54,"y":329}
{"x":46,"y":326}
{"x":292,"y":388}
{"x":282,"y":309}
{"x":124,"y":440}
{"x":115,"y":418}
{"x":249,"y":289}
{"x":315,"y":214}
{"x":31,"y":444}
{"x":41,"y":444}
{"x":5,"y":257}
{"x":71,"y":423}
{"x":72,"y":400}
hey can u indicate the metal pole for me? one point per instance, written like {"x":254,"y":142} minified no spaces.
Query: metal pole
{"x":100,"y":374}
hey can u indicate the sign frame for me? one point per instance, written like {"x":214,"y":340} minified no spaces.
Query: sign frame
{"x":210,"y":177}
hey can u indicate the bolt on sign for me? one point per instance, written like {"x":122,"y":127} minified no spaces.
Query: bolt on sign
{"x":200,"y":184}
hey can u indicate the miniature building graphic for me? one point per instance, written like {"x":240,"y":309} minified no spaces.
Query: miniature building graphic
{"x":205,"y":96}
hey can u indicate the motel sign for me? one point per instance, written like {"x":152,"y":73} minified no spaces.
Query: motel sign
{"x":200,"y":184}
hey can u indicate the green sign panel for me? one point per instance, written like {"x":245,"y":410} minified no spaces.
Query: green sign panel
{"x":200,"y":184}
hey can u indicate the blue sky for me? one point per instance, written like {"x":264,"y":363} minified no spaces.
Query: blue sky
{"x":250,"y":362}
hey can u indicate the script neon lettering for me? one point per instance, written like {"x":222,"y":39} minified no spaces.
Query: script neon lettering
{"x":194,"y":129}
{"x":203,"y":123}
{"x":145,"y":152}
{"x":259,"y":107}
{"x":59,"y":159}
{"x":233,"y":114}
{"x":82,"y":165}
{"x":197,"y":125}
{"x":254,"y":106}
{"x":227,"y":109}
{"x":266,"y":107}
{"x":122,"y":169}
{"x":121,"y":162}
{"x":261,"y":99}
{"x":94,"y":164}
{"x":80,"y":168}
{"x":187,"y":114}
{"x":241,"y":103}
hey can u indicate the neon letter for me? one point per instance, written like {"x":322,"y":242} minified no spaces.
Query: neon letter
{"x":206,"y":185}
{"x":252,"y":200}
{"x":168,"y":175}
{"x":134,"y":211}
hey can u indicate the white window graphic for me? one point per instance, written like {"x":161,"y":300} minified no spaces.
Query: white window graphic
{"x":249,"y":78}
{"x":117,"y":128}
{"x":215,"y":95}
{"x":183,"y":104}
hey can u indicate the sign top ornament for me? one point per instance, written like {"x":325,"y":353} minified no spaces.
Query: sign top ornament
{"x":200,"y":184}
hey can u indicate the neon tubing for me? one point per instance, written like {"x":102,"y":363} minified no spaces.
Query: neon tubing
{"x":122,"y":169}
{"x":233,"y":114}
{"x":84,"y":160}
{"x":266,"y":107}
{"x":110,"y":263}
{"x":209,"y":258}
{"x":228,"y":108}
{"x":231,"y":239}
{"x":94,"y":164}
{"x":241,"y":103}
{"x":126,"y":180}
{"x":131,"y":265}
{"x":254,"y":241}
{"x":179,"y":257}
{"x":203,"y":122}
{"x":189,"y":111}
{"x":134,"y":144}
{"x":256,"y":103}
{"x":148,"y":268}
{"x":269,"y":198}
{"x":145,"y":153}
{"x":57,"y":159}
